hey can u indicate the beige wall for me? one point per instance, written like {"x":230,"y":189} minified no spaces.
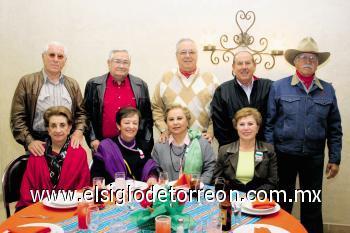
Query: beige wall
{"x":150,"y":29}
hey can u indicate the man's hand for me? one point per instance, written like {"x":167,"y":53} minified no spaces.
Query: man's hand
{"x":332,"y":170}
{"x":207,"y":136}
{"x":77,"y":138}
{"x":94,"y":144}
{"x":36,"y":148}
{"x":164,"y":136}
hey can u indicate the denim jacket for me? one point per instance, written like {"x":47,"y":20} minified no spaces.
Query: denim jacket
{"x":300,"y":122}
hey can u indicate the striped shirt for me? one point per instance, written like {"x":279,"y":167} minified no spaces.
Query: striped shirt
{"x":51,"y":94}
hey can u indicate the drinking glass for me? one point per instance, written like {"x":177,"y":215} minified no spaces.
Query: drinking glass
{"x":82,"y":212}
{"x":94,"y":213}
{"x":219,"y":184}
{"x":195,"y":181}
{"x":98,"y":184}
{"x":163,"y":224}
{"x":237,"y":213}
{"x":214,"y":224}
{"x":120,"y":182}
{"x":163,"y":178}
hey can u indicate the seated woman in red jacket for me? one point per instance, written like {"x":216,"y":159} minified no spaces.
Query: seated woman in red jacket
{"x":61,"y":167}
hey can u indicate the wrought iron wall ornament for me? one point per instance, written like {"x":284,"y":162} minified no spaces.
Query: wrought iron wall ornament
{"x":243,"y":41}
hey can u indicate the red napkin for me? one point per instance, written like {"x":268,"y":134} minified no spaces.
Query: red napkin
{"x":261,"y":230}
{"x":184,"y":180}
{"x":32,"y":229}
{"x":266,"y":204}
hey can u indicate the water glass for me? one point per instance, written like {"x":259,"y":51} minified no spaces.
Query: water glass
{"x":237,"y":213}
{"x":98,"y":184}
{"x":219,"y":184}
{"x":163,"y":178}
{"x":120,"y":182}
{"x":214,"y":225}
{"x":163,"y":224}
{"x":195,"y":181}
{"x":94,"y":213}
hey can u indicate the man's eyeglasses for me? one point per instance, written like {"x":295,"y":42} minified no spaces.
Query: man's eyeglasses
{"x":120,"y":62}
{"x":53,"y":55}
{"x":306,"y":57}
{"x":189,"y":52}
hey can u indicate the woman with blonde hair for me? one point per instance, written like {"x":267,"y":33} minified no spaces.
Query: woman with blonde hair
{"x":247,"y":164}
{"x":185,"y":151}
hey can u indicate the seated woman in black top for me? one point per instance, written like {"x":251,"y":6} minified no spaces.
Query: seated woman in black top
{"x":122,"y":154}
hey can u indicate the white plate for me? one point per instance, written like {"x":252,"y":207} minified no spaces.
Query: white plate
{"x":53,"y":227}
{"x":133,"y":184}
{"x":171,"y":183}
{"x":254,"y":211}
{"x":248,"y":205}
{"x":63,"y":201}
{"x":249,"y":228}
{"x":54,"y":205}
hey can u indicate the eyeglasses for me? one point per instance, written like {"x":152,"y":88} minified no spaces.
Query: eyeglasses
{"x":53,"y":55}
{"x":120,"y":62}
{"x":189,"y":52}
{"x":306,"y":57}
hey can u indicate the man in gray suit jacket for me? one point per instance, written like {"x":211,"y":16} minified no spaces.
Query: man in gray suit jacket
{"x":106,"y":94}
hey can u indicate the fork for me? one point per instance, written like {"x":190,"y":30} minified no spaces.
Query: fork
{"x":35,"y":216}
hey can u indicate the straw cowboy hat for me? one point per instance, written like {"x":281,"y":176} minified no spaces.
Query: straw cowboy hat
{"x":306,"y":45}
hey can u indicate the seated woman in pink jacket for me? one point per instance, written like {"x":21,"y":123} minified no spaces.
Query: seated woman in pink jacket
{"x":61,"y":167}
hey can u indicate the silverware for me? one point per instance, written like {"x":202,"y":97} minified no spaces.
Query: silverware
{"x":35,"y":216}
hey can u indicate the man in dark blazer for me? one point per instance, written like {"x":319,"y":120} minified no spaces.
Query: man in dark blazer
{"x":244,"y":90}
{"x":106,"y":94}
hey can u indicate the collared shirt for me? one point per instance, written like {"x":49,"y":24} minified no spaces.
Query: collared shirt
{"x":186,"y":141}
{"x":187,"y":81}
{"x":315,"y":81}
{"x":247,"y":89}
{"x":51,"y":94}
{"x":116,"y":97}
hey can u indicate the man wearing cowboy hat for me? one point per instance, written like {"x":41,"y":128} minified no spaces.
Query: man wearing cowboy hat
{"x":302,"y":115}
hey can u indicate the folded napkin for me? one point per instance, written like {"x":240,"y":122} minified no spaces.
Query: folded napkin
{"x":261,"y":230}
{"x":266,"y":204}
{"x":30,"y":229}
{"x":184,"y":180}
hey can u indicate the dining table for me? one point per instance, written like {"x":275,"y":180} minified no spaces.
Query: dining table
{"x":201,"y":212}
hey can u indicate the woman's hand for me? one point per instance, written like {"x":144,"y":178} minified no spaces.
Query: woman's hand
{"x":152,"y":181}
{"x":94,"y":144}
